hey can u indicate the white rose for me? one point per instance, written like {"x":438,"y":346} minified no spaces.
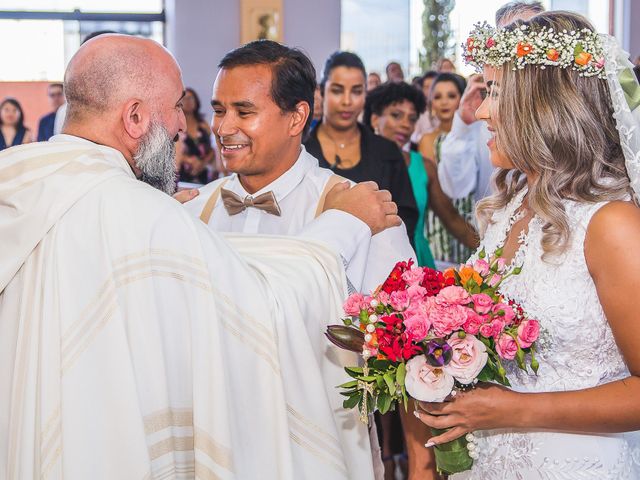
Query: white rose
{"x":469,"y":356}
{"x":426,"y":383}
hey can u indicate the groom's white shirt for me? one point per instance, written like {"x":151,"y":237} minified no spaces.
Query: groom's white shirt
{"x":135,"y":343}
{"x":298,"y":192}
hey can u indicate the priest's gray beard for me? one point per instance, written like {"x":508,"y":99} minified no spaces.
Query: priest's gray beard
{"x":156,"y":158}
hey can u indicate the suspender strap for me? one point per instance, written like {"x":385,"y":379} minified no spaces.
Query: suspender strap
{"x":332,"y":182}
{"x":205,"y":216}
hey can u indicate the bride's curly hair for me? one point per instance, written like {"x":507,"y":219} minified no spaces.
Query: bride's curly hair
{"x":557,"y":127}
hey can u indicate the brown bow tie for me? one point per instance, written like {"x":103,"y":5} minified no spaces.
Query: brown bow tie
{"x":234,"y":204}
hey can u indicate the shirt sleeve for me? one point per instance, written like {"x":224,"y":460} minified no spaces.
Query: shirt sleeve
{"x":387,"y":248}
{"x":346,"y":235}
{"x":458,"y":166}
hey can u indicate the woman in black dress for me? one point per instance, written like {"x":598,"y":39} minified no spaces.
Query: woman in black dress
{"x":12,"y":129}
{"x":349,"y":148}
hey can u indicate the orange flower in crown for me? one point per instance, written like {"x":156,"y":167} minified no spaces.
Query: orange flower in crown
{"x":543,"y":47}
{"x":553,"y":54}
{"x":524,"y":49}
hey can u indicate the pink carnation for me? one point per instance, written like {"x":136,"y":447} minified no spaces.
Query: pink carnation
{"x":446,"y":319}
{"x":482,"y":302}
{"x":413,"y":276}
{"x":528,"y":332}
{"x":399,"y":300}
{"x":506,"y":347}
{"x":353,"y":304}
{"x":383,"y":297}
{"x":416,"y":293}
{"x":453,"y":295}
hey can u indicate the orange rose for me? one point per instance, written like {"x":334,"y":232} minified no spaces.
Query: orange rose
{"x":583,"y":58}
{"x":467,"y":273}
{"x":449,"y":273}
{"x":553,"y":55}
{"x":524,"y":49}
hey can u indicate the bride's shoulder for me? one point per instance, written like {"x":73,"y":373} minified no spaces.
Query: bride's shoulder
{"x":613,"y":231}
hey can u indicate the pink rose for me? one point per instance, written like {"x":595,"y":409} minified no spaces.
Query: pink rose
{"x":506,"y":347}
{"x":486,"y":330}
{"x":497,"y":326}
{"x":494,"y":280}
{"x":501,"y":264}
{"x":353,"y":304}
{"x":473,"y":323}
{"x":509,"y":314}
{"x":417,"y":327}
{"x":426,"y":383}
{"x":481,"y":266}
{"x":399,"y":300}
{"x":490,"y":42}
{"x":413,"y":276}
{"x":453,"y":295}
{"x":482,"y":302}
{"x":469,"y":356}
{"x":446,"y":319}
{"x":528,"y":332}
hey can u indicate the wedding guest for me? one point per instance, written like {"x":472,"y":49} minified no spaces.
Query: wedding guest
{"x":263,"y":149}
{"x":392,"y":110}
{"x":394,"y":72}
{"x":565,"y":214}
{"x":445,"y":95}
{"x":464,"y":167}
{"x":349,"y":148}
{"x":373,"y":80}
{"x":12,"y":129}
{"x":194,"y":154}
{"x":444,"y":65}
{"x":56,"y":100}
{"x":426,"y":123}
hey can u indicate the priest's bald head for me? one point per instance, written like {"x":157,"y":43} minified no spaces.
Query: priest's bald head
{"x":126,"y":92}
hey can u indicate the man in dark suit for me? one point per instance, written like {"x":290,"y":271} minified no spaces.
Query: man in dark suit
{"x":56,"y":99}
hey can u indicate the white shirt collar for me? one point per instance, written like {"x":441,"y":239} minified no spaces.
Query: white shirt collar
{"x":285,"y":183}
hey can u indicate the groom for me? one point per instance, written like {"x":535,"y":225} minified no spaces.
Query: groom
{"x":262,"y":99}
{"x":134,"y":343}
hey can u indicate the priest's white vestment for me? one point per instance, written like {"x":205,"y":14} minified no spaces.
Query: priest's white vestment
{"x":137,"y":344}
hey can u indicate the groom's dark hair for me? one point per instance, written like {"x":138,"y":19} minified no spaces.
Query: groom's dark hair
{"x":293,"y":74}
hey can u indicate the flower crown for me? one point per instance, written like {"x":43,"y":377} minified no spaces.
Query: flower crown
{"x":579,"y":50}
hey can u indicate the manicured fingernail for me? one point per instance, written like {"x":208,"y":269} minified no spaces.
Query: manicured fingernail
{"x":416,"y":413}
{"x":429,"y":444}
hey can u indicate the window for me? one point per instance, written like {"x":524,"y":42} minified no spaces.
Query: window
{"x":47,"y":33}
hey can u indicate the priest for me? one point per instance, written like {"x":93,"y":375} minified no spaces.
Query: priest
{"x":134,"y":342}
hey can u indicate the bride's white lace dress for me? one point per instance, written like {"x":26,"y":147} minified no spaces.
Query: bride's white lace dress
{"x":576,"y":351}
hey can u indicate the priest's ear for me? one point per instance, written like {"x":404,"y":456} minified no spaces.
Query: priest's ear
{"x":136,"y":118}
{"x":299,"y":118}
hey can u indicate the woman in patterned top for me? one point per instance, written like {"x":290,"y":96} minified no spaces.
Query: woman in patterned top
{"x":446,"y":92}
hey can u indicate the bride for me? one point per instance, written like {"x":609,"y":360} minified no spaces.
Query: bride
{"x":563,"y":212}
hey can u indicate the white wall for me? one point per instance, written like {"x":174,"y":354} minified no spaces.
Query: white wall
{"x":200,"y":32}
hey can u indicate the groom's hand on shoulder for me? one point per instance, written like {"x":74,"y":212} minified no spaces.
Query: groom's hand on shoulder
{"x":366,"y":202}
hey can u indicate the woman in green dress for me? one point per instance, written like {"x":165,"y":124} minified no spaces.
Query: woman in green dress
{"x":392,"y":110}
{"x":444,"y":99}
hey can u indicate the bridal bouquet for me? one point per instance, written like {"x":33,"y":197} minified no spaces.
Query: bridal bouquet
{"x":425,"y":334}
